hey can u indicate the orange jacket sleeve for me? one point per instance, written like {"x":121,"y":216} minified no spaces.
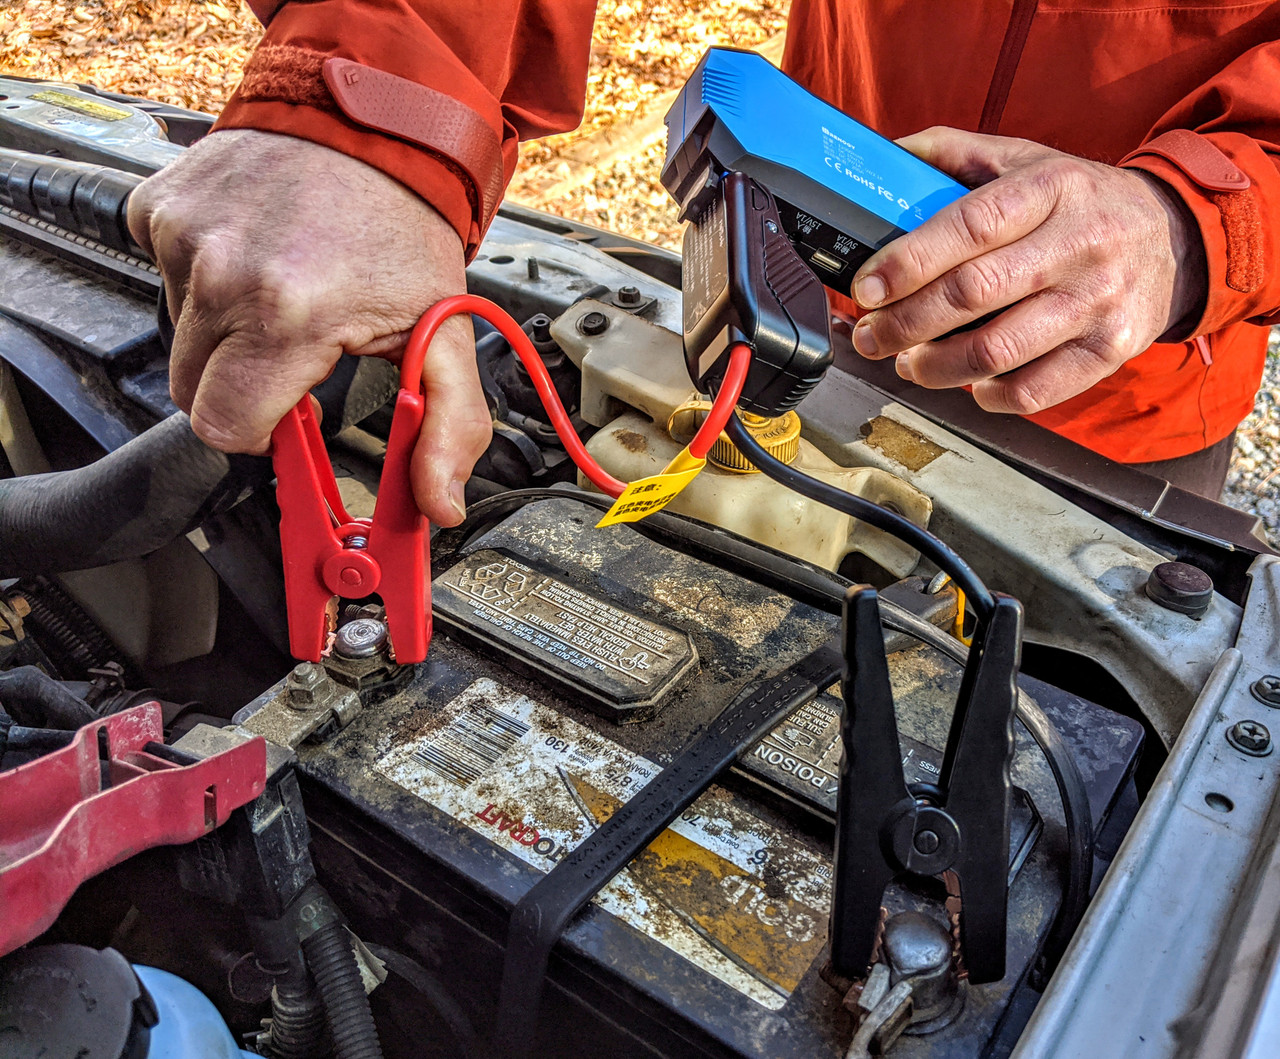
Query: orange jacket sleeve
{"x":1219,"y":149}
{"x":434,"y":93}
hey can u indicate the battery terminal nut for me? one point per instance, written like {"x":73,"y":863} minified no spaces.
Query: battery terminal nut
{"x":304,"y":685}
{"x":363,"y":659}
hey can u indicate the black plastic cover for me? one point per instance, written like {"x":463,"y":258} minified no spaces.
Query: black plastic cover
{"x":744,"y":282}
{"x":73,"y":1001}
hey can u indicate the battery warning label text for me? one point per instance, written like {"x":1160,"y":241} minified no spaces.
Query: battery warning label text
{"x":554,"y":624}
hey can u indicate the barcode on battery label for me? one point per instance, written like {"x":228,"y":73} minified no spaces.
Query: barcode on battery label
{"x":471,"y":744}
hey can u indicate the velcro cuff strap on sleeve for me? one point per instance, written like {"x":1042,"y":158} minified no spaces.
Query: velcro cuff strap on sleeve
{"x":423,"y":116}
{"x":1230,"y":191}
{"x":1198,"y":158}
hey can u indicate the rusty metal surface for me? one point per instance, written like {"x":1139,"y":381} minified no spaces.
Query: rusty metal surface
{"x":900,"y":443}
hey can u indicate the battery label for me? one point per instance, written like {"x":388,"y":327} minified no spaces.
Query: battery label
{"x":593,"y":645}
{"x":736,"y":896}
{"x":802,"y":753}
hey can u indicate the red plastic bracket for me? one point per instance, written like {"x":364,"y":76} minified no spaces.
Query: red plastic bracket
{"x":59,"y":825}
{"x":328,"y":553}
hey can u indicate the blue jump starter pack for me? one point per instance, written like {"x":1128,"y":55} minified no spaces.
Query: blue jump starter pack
{"x":784,"y":195}
{"x":843,"y":190}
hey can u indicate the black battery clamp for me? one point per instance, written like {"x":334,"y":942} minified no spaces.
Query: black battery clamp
{"x":784,"y":195}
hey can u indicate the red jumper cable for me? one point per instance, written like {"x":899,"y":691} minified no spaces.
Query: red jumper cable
{"x":328,"y":554}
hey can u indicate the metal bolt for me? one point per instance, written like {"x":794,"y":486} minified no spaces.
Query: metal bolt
{"x":593,"y":324}
{"x":306,"y":675}
{"x":362,"y":638}
{"x":938,"y":582}
{"x":1250,"y":737}
{"x":629,"y":296}
{"x":1181,"y":587}
{"x":771,"y":226}
{"x":302,"y":684}
{"x":533,"y":268}
{"x":1267,"y":690}
{"x":927,"y":842}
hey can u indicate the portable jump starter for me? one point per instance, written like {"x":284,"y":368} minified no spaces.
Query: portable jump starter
{"x":843,"y":190}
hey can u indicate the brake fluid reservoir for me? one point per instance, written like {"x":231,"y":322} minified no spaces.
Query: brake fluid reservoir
{"x":733,"y":494}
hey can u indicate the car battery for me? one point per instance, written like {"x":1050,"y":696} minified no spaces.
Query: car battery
{"x":569,"y":664}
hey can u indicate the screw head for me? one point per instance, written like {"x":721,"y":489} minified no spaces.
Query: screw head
{"x":594,"y":324}
{"x":629,"y":295}
{"x":927,"y":842}
{"x":1250,"y":737}
{"x":1267,"y":690}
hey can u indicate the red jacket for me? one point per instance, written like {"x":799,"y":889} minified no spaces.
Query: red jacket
{"x":1189,"y":93}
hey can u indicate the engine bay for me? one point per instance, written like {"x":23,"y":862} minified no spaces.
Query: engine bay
{"x":605,"y":815}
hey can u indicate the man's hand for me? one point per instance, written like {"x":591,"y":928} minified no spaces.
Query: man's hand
{"x":279,"y":256}
{"x":1090,"y":264}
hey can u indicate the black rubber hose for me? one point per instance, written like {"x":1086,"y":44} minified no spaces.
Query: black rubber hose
{"x":35,"y":700}
{"x":83,"y":198}
{"x":124,"y":506}
{"x":298,"y":1028}
{"x":332,"y":962}
{"x":40,"y":740}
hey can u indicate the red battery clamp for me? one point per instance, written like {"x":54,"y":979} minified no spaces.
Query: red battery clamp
{"x":329,"y":554}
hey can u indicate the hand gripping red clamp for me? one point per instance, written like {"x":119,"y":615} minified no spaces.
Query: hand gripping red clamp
{"x":328,"y":553}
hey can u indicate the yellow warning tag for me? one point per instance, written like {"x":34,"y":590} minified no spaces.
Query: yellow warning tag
{"x":91,"y":107}
{"x":646,"y":495}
